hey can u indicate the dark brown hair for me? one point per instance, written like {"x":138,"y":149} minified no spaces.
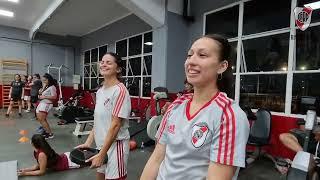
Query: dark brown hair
{"x":225,"y":83}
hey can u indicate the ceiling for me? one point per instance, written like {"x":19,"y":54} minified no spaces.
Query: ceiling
{"x":26,"y":12}
{"x":80,"y":17}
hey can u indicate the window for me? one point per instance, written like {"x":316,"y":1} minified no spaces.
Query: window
{"x":91,"y":75}
{"x":308,"y":49}
{"x":266,"y":44}
{"x":305,"y":85}
{"x":268,"y":53}
{"x":223,"y":22}
{"x":136,"y":53}
{"x":260,"y":16}
{"x":263,"y":91}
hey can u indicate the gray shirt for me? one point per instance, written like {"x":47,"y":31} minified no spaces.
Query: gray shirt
{"x":217,"y":133}
{"x":37,"y":84}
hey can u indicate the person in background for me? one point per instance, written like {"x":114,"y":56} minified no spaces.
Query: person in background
{"x":16,"y":94}
{"x":27,"y":90}
{"x":203,"y":135}
{"x":24,"y":81}
{"x":47,"y":96}
{"x":35,"y":85}
{"x":46,"y":158}
{"x":110,"y":130}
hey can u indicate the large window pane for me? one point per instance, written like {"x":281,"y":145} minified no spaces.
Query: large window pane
{"x":308,"y":49}
{"x":263,"y":91}
{"x":124,"y":67}
{"x":266,"y":53}
{"x":134,"y":67}
{"x":147,"y":65}
{"x":86,"y":83}
{"x":223,"y":22}
{"x":86,"y":57}
{"x":102,"y":51}
{"x":305,"y":93}
{"x":133,"y":85}
{"x":94,"y":55}
{"x":94,"y":83}
{"x":265,"y":15}
{"x":121,"y":48}
{"x":93,"y":71}
{"x":135,"y":45}
{"x":86,"y":70}
{"x":315,"y":13}
{"x":147,"y":44}
{"x":146,"y":87}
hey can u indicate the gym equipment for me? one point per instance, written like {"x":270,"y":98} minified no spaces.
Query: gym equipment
{"x":50,"y":67}
{"x":82,"y":121}
{"x":80,"y":155}
{"x":154,"y":123}
{"x":303,"y":164}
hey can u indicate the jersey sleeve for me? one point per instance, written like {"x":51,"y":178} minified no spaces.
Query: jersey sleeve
{"x":121,"y":103}
{"x":53,"y":91}
{"x":230,"y":137}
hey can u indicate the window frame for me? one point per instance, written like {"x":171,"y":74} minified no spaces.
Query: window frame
{"x":291,"y":53}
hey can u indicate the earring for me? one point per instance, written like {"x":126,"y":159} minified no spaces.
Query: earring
{"x":219,"y":76}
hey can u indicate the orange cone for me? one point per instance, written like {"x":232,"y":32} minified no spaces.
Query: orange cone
{"x":23,"y":132}
{"x":24,"y":139}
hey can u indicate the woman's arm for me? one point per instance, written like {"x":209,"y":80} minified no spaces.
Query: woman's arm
{"x":10,"y":93}
{"x":220,"y":172}
{"x":151,"y":169}
{"x":98,"y":159}
{"x":42,"y":159}
{"x":88,"y":142}
{"x":32,"y":168}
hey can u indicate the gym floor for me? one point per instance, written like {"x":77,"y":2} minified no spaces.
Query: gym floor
{"x":64,"y":141}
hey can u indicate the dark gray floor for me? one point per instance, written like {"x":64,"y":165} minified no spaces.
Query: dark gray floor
{"x":64,"y":141}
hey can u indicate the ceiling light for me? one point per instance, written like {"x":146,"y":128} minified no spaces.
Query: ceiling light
{"x":284,"y":68}
{"x":15,"y":1}
{"x":314,"y":5}
{"x":6,"y":13}
{"x":303,"y":68}
{"x":148,"y":43}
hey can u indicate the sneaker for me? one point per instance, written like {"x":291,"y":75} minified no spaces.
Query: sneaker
{"x":7,"y":115}
{"x":20,"y":114}
{"x":48,"y":136}
{"x":41,"y":130}
{"x":27,"y":111}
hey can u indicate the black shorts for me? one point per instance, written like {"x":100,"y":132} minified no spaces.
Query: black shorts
{"x":15,"y":98}
{"x":34,"y":99}
{"x":301,"y":135}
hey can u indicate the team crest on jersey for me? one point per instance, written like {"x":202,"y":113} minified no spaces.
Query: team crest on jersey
{"x":303,"y":17}
{"x":106,"y":101}
{"x":199,"y":134}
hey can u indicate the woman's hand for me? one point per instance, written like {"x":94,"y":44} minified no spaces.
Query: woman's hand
{"x":81,"y":146}
{"x":96,"y":160}
{"x":21,"y":172}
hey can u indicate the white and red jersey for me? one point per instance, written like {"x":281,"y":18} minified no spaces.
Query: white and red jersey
{"x":218,"y":132}
{"x":50,"y":91}
{"x":111,"y":101}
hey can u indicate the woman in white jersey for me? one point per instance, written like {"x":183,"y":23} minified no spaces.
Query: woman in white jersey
{"x":47,"y":95}
{"x":111,"y":113}
{"x":203,"y":135}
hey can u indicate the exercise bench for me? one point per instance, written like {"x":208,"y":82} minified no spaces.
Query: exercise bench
{"x":82,"y":121}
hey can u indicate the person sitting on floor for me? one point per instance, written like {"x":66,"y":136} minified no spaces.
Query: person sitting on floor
{"x":46,"y":158}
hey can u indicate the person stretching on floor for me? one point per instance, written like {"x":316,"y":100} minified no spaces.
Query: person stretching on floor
{"x":46,"y":158}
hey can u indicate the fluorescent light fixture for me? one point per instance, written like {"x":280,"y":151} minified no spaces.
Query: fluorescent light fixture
{"x":148,"y":43}
{"x":314,"y":5}
{"x":6,"y":13}
{"x":15,"y":1}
